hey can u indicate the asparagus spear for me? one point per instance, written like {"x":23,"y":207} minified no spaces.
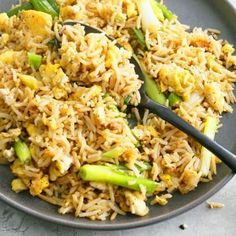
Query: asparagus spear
{"x":99,"y":173}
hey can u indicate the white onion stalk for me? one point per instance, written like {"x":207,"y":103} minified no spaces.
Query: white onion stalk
{"x":148,"y":17}
{"x":210,"y":131}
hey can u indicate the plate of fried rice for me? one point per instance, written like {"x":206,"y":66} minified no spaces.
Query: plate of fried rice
{"x":75,"y":146}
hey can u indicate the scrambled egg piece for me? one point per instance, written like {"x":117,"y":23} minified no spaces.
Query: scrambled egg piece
{"x":64,"y":164}
{"x":112,"y":55}
{"x":17,"y":168}
{"x":161,"y":200}
{"x":214,"y":96}
{"x":4,"y":39}
{"x":177,"y":79}
{"x":167,"y":179}
{"x":54,"y":172}
{"x":53,"y":75}
{"x":59,"y":167}
{"x":38,"y":185}
{"x":141,"y":131}
{"x":100,"y":114}
{"x":228,"y":48}
{"x":8,"y":57}
{"x":17,"y":185}
{"x":70,"y":12}
{"x":39,"y":23}
{"x":8,"y":155}
{"x":50,"y":122}
{"x":214,"y":65}
{"x":30,"y":81}
{"x":32,"y":130}
{"x":136,"y":203}
{"x":190,"y":179}
{"x":130,"y":8}
{"x":4,"y":22}
{"x":85,"y":94}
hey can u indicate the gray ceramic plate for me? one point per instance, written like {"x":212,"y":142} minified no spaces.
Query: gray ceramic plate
{"x":207,"y":14}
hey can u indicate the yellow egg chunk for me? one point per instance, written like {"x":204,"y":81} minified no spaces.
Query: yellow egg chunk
{"x":32,"y":130}
{"x":4,"y":22}
{"x":29,"y":81}
{"x":39,"y":23}
{"x":177,"y":79}
{"x":39,"y":185}
{"x":8,"y":57}
{"x":17,"y":185}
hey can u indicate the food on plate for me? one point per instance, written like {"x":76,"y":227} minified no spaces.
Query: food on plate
{"x":67,"y":97}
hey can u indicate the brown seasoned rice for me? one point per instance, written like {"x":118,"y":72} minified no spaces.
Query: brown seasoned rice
{"x":78,"y":112}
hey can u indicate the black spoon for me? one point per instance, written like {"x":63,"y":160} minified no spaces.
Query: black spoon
{"x":168,"y":115}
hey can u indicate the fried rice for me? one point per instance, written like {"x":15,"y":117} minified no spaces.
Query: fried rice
{"x":72,"y":110}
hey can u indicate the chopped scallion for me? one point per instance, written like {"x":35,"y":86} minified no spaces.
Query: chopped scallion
{"x":22,"y":151}
{"x":174,"y":99}
{"x":34,"y":60}
{"x":140,"y":37}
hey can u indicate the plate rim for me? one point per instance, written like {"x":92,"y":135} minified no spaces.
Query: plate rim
{"x":119,"y":226}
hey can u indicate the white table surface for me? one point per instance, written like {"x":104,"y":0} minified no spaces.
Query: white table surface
{"x":201,"y":221}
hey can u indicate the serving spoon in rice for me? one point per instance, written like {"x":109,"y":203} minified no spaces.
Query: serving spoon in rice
{"x":168,"y":115}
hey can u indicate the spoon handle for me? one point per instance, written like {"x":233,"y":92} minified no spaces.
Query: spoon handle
{"x":168,"y":115}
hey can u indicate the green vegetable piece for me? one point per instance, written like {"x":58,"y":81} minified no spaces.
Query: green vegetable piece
{"x":114,"y":153}
{"x":16,"y":10}
{"x":120,"y":18}
{"x":137,"y":144}
{"x":157,"y":10}
{"x":113,"y":107}
{"x":54,"y":5}
{"x":98,"y":173}
{"x":210,"y":131}
{"x":119,"y":167}
{"x":34,"y":60}
{"x":166,"y":12}
{"x":140,"y":37}
{"x":174,"y":99}
{"x":127,"y":100}
{"x":153,"y":90}
{"x":44,"y":6}
{"x":144,"y":167}
{"x":132,"y":137}
{"x":22,"y":151}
